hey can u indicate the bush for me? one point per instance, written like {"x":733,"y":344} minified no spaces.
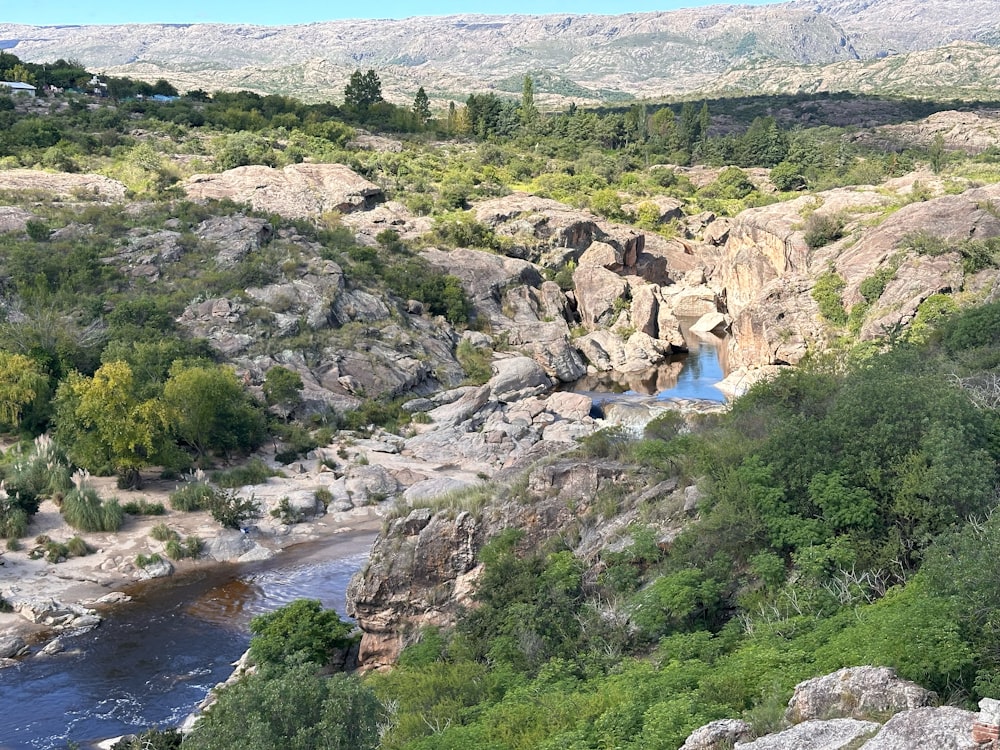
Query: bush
{"x":476,"y":362}
{"x":36,"y":472}
{"x":192,"y":496}
{"x":76,"y":547}
{"x":84,"y":510}
{"x":190,"y":547}
{"x":296,"y":708}
{"x":232,"y":511}
{"x":254,"y":471}
{"x":163,"y":533}
{"x":286,"y":513}
{"x":13,"y":519}
{"x":151,"y":739}
{"x":302,"y":629}
{"x":872,"y":287}
{"x":143,"y":508}
{"x":826,"y":292}
{"x":822,"y":229}
{"x":381,"y":413}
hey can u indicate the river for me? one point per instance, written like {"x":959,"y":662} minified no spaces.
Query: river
{"x":155,"y":658}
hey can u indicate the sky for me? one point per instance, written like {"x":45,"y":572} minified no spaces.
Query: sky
{"x":269,"y":12}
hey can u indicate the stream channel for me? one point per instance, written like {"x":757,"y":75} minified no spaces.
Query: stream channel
{"x":154,"y":659}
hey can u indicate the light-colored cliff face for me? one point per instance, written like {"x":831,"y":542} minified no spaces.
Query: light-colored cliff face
{"x":767,"y":272}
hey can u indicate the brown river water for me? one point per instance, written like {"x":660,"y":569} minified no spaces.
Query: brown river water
{"x":155,"y":658}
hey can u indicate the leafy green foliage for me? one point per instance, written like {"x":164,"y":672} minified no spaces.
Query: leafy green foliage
{"x":233,"y":511}
{"x":292,"y":710}
{"x":192,"y":496}
{"x":254,"y":471}
{"x":826,"y":291}
{"x":297,"y":633}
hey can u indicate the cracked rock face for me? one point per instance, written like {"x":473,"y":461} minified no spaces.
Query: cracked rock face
{"x":297,"y":191}
{"x":855,"y":692}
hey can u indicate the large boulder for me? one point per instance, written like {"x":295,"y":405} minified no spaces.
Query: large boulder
{"x":856,"y":692}
{"x":835,"y":734}
{"x":718,"y":735}
{"x":542,"y":230}
{"x":14,"y":219}
{"x":600,"y":295}
{"x":235,"y":236}
{"x":944,"y":728}
{"x":484,"y":277}
{"x":297,"y":191}
{"x":515,"y":378}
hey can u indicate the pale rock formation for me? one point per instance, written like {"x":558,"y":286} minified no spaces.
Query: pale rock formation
{"x":943,"y":728}
{"x":296,"y":191}
{"x":856,"y":692}
{"x":833,"y":734}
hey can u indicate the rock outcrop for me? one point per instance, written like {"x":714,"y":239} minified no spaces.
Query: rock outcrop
{"x":855,"y":692}
{"x":296,"y":191}
{"x":833,"y":734}
{"x":943,"y":728}
{"x":83,"y":187}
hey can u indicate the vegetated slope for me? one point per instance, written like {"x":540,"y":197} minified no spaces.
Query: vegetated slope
{"x":641,"y":54}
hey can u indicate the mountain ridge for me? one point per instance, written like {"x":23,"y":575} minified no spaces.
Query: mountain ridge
{"x":639,"y":54}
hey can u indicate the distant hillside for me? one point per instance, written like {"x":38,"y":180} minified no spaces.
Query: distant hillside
{"x":583,"y":58}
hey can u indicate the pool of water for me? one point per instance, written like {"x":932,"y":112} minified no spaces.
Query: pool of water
{"x":689,"y":376}
{"x":154,"y":659}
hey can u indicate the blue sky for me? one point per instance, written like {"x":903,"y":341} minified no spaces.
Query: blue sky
{"x":269,"y":12}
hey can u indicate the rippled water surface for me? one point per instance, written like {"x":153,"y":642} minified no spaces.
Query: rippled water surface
{"x":154,"y":659}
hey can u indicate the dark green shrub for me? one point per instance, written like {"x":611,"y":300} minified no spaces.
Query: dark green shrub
{"x":84,"y":510}
{"x":232,"y":511}
{"x":388,"y":415}
{"x":826,"y":292}
{"x":302,"y":629}
{"x":872,"y":287}
{"x":286,"y":513}
{"x":144,"y":561}
{"x":822,"y":229}
{"x":178,"y":550}
{"x":476,"y":362}
{"x":151,"y":739}
{"x":163,"y":533}
{"x":294,"y":708}
{"x":143,"y":507}
{"x":13,"y":519}
{"x":76,"y":547}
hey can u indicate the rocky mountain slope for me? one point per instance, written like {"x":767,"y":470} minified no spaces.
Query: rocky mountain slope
{"x":574,"y":57}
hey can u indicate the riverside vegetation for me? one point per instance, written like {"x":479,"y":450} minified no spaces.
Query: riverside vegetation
{"x":846,"y":511}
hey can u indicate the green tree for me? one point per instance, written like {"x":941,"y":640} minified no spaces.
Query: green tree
{"x":22,"y":383}
{"x":210,"y":411}
{"x":103,"y":422}
{"x":301,"y":631}
{"x":529,"y":114}
{"x":363,"y":90}
{"x":283,"y":389}
{"x":421,"y":106}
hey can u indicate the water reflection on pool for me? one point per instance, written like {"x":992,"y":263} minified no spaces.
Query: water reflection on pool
{"x":689,"y":376}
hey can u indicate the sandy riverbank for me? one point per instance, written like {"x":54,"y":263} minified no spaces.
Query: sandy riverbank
{"x":83,"y":581}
